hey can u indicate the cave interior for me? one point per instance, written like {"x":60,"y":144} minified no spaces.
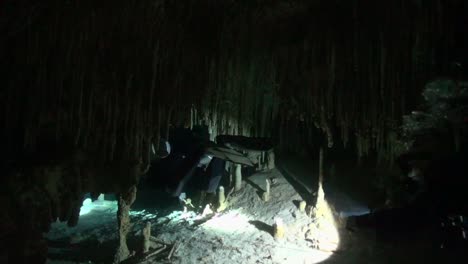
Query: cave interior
{"x":234,"y":131}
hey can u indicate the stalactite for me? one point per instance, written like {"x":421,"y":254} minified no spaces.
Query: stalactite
{"x":158,"y":128}
{"x":351,"y":73}
{"x":168,"y":122}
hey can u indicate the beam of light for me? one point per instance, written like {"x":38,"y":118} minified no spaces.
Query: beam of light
{"x":325,"y":232}
{"x":229,"y":222}
{"x":235,"y":222}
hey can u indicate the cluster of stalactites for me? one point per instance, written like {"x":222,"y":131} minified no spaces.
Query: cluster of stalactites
{"x":354,"y":76}
{"x":116,"y":78}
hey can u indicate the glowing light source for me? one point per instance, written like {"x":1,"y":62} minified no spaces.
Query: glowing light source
{"x":89,"y":206}
{"x":86,"y":207}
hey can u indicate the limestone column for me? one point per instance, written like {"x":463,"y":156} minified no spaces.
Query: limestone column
{"x":146,"y":235}
{"x":125,"y":200}
{"x":266,"y":194}
{"x":271,"y":159}
{"x":238,"y":177}
{"x":222,"y":203}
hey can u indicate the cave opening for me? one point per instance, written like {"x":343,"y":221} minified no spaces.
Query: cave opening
{"x":206,"y":131}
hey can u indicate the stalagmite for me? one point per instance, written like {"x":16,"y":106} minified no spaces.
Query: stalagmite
{"x":278,"y":229}
{"x":271,"y":159}
{"x":221,"y":199}
{"x":320,"y":205}
{"x":221,"y":195}
{"x":266,"y":193}
{"x":231,"y":169}
{"x":146,"y":234}
{"x":237,"y":177}
{"x":302,"y":206}
{"x":126,"y":199}
{"x":320,"y":167}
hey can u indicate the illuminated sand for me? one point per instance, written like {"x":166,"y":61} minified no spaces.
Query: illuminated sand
{"x":240,"y":234}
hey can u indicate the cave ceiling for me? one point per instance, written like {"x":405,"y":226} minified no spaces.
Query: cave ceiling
{"x":111,"y":76}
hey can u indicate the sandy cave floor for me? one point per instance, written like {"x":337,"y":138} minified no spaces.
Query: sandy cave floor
{"x":240,"y":234}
